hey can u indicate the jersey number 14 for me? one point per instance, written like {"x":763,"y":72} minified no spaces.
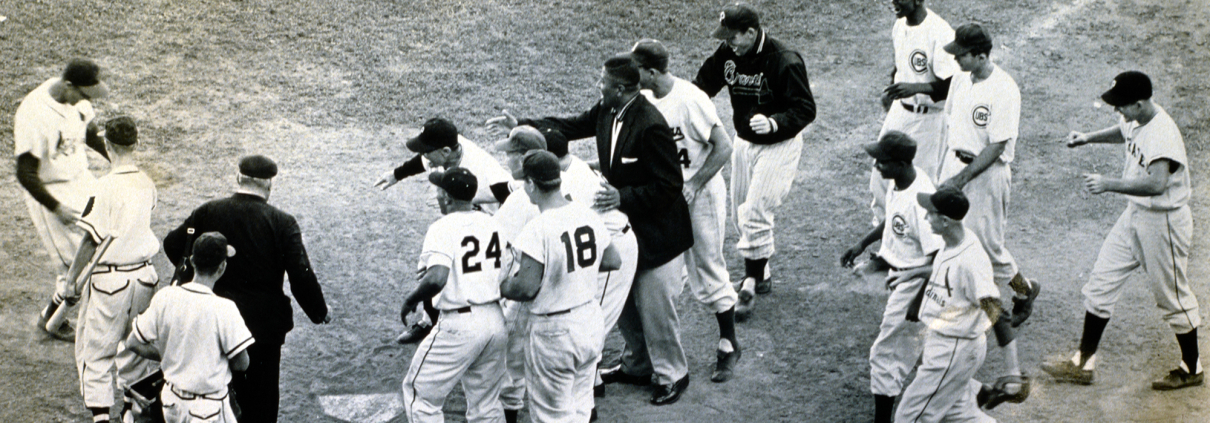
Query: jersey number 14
{"x":584,"y":252}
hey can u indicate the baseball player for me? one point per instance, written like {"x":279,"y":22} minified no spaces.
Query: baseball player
{"x":959,"y":304}
{"x":916,"y":96}
{"x":198,"y":337}
{"x":440,"y":147}
{"x":905,"y":259}
{"x":558,"y":256}
{"x":461,"y":255}
{"x":703,"y":147}
{"x":123,"y":281}
{"x":52,"y":126}
{"x":772,"y":103}
{"x":1153,"y":233}
{"x":983,"y":110}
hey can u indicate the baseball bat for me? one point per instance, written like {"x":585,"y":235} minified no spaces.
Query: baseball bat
{"x":59,"y":314}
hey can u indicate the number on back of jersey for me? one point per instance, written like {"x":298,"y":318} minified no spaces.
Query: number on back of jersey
{"x":472,"y":261}
{"x":581,"y":248}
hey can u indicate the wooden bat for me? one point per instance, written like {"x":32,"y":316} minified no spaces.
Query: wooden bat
{"x":57,"y":312}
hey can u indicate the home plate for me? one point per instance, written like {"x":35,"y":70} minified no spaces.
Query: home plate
{"x":362,"y":408}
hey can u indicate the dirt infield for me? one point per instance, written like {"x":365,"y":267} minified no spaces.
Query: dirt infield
{"x":331,"y":89}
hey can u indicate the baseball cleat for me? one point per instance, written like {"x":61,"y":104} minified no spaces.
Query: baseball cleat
{"x":414,"y":334}
{"x":65,"y":332}
{"x":1066,"y":371}
{"x":725,"y":367}
{"x":999,"y":391}
{"x":1022,"y":308}
{"x":764,"y":287}
{"x":1177,"y":379}
{"x":747,"y":298}
{"x":668,"y":394}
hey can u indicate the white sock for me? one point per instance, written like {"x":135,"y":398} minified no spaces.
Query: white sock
{"x":724,"y":345}
{"x":1090,"y":365}
{"x":1186,"y":367}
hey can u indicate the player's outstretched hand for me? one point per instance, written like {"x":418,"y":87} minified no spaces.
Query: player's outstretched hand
{"x":849,"y":256}
{"x":500,"y":125}
{"x":66,"y":214}
{"x":1076,"y":139}
{"x":1094,"y":183}
{"x":386,"y":180}
{"x":886,"y":101}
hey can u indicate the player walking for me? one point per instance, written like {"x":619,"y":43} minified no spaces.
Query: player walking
{"x":772,"y":103}
{"x":703,"y":147}
{"x":198,"y":337}
{"x":904,"y":260}
{"x":916,"y":96}
{"x":50,"y":130}
{"x":559,"y":254}
{"x":983,"y":111}
{"x":959,"y":304}
{"x":1153,"y":233}
{"x":461,"y":257}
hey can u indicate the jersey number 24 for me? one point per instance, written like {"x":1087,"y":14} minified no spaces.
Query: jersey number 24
{"x":492,"y":252}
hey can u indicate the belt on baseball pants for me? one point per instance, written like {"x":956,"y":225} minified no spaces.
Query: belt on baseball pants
{"x":186,"y":395}
{"x":964,"y":157}
{"x":106,"y":268}
{"x":557,"y":313}
{"x":462,"y":310}
{"x":917,"y":108}
{"x":626,"y":229}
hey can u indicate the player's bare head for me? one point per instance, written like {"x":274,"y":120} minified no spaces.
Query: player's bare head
{"x":738,"y":26}
{"x":256,"y":172}
{"x":456,"y":185}
{"x":543,"y":173}
{"x":210,"y":253}
{"x":946,"y":208}
{"x":84,"y":77}
{"x":970,"y":38}
{"x":904,"y":8}
{"x":893,"y":153}
{"x":122,"y":134}
{"x":650,"y":54}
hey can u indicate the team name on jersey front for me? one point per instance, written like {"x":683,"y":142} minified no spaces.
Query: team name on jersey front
{"x":742,"y":83}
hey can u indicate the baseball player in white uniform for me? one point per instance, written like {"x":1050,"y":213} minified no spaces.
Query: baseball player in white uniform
{"x":904,"y":260}
{"x":916,"y":96}
{"x":123,"y":281}
{"x":198,"y":337}
{"x":1153,"y":233}
{"x":958,"y":305}
{"x":462,"y":256}
{"x":703,"y":147}
{"x":983,"y":110}
{"x":558,"y":256}
{"x":50,"y":132}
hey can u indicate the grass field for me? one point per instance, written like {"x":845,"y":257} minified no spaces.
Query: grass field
{"x":330,"y":89}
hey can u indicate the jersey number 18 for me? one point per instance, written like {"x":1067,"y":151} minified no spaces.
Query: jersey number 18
{"x":584,"y":252}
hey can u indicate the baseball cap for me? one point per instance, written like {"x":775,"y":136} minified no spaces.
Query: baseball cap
{"x":521,"y":139}
{"x":949,"y":202}
{"x":459,"y":182}
{"x":257,"y":166}
{"x":437,"y":134}
{"x":735,"y":18}
{"x":969,"y":37}
{"x":1128,"y":87}
{"x":85,"y":76}
{"x":893,"y":146}
{"x":210,"y":249}
{"x":651,"y":54}
{"x":121,"y":131}
{"x":556,"y":143}
{"x":542,"y":166}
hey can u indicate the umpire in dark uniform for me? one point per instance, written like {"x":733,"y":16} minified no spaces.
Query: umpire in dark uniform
{"x":269,"y":244}
{"x":638,"y":159}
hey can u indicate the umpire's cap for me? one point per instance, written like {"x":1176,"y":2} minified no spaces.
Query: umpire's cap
{"x":257,"y":166}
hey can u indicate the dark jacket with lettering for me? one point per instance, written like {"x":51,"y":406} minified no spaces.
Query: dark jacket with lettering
{"x":770,"y":80}
{"x":644,"y":171}
{"x":268,"y":244}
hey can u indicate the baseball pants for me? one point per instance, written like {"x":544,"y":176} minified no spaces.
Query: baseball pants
{"x":467,"y":347}
{"x":924,"y":128}
{"x":561,"y":363}
{"x":944,"y":389}
{"x":112,"y":299}
{"x":185,"y":407}
{"x":650,"y":325}
{"x":61,"y":241}
{"x":257,"y":394}
{"x":1158,"y":242}
{"x":988,"y":216}
{"x":614,"y":287}
{"x":516,"y":320}
{"x":704,"y":262}
{"x":761,"y":177}
{"x":899,"y":341}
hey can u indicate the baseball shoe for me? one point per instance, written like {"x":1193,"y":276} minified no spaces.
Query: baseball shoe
{"x":668,"y":394}
{"x":764,"y":287}
{"x":593,"y":417}
{"x":725,"y":367}
{"x":616,"y":375}
{"x":1022,"y":308}
{"x":1066,"y":371}
{"x":1177,"y":379}
{"x":65,"y":332}
{"x":598,"y":391}
{"x":414,"y":334}
{"x":998,"y":394}
{"x":747,"y":299}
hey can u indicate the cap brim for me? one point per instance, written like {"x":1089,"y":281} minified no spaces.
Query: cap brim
{"x":1114,"y":99}
{"x":418,"y":146}
{"x":723,"y":33}
{"x":955,"y":49}
{"x":874,"y":152}
{"x":98,"y":90}
{"x":925,"y":199}
{"x":504,"y":145}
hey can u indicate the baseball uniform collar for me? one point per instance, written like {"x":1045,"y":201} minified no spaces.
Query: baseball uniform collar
{"x":760,"y":46}
{"x":249,"y":193}
{"x":197,"y":288}
{"x":124,"y":169}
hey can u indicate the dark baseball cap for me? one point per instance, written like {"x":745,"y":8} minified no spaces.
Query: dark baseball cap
{"x":210,"y":249}
{"x":438,"y":133}
{"x":735,"y":18}
{"x":1128,"y":87}
{"x":121,"y":131}
{"x":257,"y":166}
{"x":521,"y":139}
{"x":85,"y":75}
{"x":949,"y":202}
{"x":893,"y":146}
{"x":458,"y":182}
{"x":556,"y":143}
{"x":969,"y":37}
{"x":542,"y":166}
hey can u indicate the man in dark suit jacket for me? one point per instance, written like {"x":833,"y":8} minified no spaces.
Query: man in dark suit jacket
{"x":638,"y":159}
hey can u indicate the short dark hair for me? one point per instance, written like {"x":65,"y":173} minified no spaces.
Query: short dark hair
{"x":650,"y":54}
{"x":623,"y":69}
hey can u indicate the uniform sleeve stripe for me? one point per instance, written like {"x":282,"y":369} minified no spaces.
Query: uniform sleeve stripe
{"x":92,"y":230}
{"x":240,"y":347}
{"x":138,"y":333}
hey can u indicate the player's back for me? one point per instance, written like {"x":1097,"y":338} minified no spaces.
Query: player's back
{"x":193,"y":329}
{"x":471,"y":241}
{"x":569,"y":241}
